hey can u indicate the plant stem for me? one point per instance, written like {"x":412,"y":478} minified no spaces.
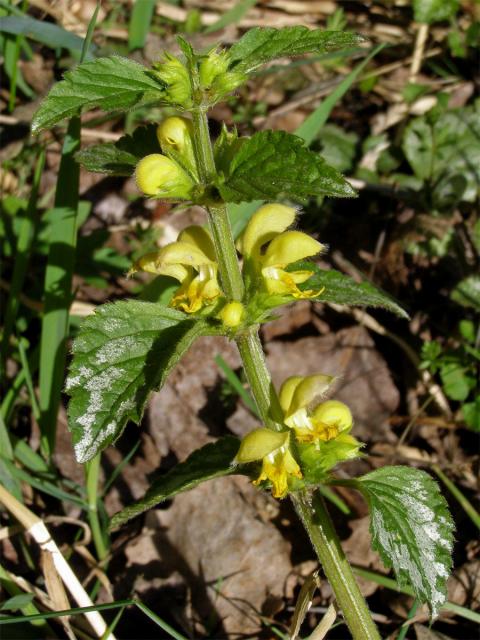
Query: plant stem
{"x":230,"y":274}
{"x":258,"y":375}
{"x":314,"y":517}
{"x":92,"y":473}
{"x":316,"y":520}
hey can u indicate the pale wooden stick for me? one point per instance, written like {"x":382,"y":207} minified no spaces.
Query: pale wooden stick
{"x":417,"y":57}
{"x":35,"y":526}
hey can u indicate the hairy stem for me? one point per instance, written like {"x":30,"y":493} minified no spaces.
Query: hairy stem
{"x":258,"y":375}
{"x":230,"y":274}
{"x":316,"y":520}
{"x":314,"y":516}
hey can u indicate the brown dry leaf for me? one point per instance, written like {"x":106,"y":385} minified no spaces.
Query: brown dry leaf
{"x":364,"y":381}
{"x":37,"y":73}
{"x":424,"y":633}
{"x":288,"y":320}
{"x":56,"y":590}
{"x":64,"y":457}
{"x":175,"y":412}
{"x":211,"y":541}
{"x":464,"y":585}
{"x":231,"y":561}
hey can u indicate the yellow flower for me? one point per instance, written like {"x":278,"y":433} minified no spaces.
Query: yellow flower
{"x":313,"y":423}
{"x":268,"y":248}
{"x":278,"y":463}
{"x":175,"y":137}
{"x":159,"y":176}
{"x":191,"y":261}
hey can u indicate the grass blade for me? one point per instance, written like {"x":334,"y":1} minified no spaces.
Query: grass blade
{"x":22,"y":256}
{"x":28,"y":377}
{"x":5,"y":444}
{"x":58,"y":276}
{"x":237,"y":385}
{"x":140,"y":21}
{"x":161,"y":623}
{"x":402,"y":634}
{"x":85,"y":53}
{"x":312,"y":125}
{"x":45,"y":486}
{"x":6,"y":477}
{"x":235,"y":14}
{"x":27,"y":609}
{"x":466,"y":505}
{"x":99,"y":607}
{"x":11,"y":395}
{"x":334,"y":499}
{"x":389,"y":583}
{"x":58,"y":285}
{"x":45,"y":32}
{"x":120,"y":467}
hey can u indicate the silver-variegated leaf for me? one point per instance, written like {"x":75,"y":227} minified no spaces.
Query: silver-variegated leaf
{"x":122,"y":353}
{"x":411,"y":529}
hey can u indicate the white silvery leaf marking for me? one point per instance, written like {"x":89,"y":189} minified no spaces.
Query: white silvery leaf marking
{"x":411,"y":529}
{"x":122,"y":353}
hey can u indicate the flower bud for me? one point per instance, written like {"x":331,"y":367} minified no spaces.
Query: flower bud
{"x":215,"y":64}
{"x":157,"y":175}
{"x":232,"y":314}
{"x":175,"y":75}
{"x":215,"y":78}
{"x":175,"y":137}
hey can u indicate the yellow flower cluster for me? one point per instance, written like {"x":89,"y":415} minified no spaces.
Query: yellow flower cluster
{"x":311,"y":421}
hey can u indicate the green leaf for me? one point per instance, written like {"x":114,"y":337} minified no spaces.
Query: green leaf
{"x":428,"y":11}
{"x":456,"y":383}
{"x":45,"y":32}
{"x":411,"y":528}
{"x":211,"y":461}
{"x":240,"y":214}
{"x":443,"y":147}
{"x":468,"y":330}
{"x":120,"y":158}
{"x":273,"y":165}
{"x":338,"y":147}
{"x":341,"y":289}
{"x":17,"y":602}
{"x":112,"y":84}
{"x":467,"y":292}
{"x":261,"y":45}
{"x":471,"y":414}
{"x":122,"y":353}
